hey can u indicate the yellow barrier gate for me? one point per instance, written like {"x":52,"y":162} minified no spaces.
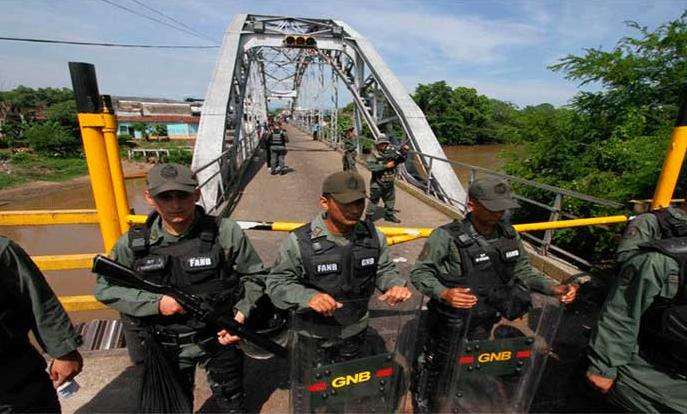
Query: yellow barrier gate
{"x":98,"y":130}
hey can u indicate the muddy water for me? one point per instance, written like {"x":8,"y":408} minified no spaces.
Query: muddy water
{"x":486,"y":156}
{"x":69,"y":239}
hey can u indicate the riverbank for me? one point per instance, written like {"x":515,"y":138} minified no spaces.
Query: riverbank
{"x":34,"y":189}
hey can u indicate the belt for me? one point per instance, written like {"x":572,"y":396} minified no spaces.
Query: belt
{"x":180,"y":339}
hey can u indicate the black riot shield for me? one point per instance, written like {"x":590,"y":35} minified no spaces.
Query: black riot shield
{"x":497,"y":362}
{"x":345,"y":363}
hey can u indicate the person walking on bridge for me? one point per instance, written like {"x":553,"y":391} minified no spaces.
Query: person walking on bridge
{"x":277,"y":140}
{"x":183,"y":246}
{"x":350,"y":150}
{"x":638,"y":349}
{"x":383,"y":164}
{"x":481,"y":249}
{"x":28,"y":304}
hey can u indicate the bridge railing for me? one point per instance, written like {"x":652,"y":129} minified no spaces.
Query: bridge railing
{"x":231,"y":164}
{"x":555,"y":208}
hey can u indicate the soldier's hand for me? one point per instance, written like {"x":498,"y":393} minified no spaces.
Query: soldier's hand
{"x":391,"y":164}
{"x":460,"y":298}
{"x":396,"y":294}
{"x":169,"y":306}
{"x":64,"y":368}
{"x":566,"y":293}
{"x":224,"y":337}
{"x":601,"y":384}
{"x":324,"y":304}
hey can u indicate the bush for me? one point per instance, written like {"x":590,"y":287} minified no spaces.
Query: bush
{"x":51,"y":138}
{"x":180,"y":156}
{"x":124,"y":139}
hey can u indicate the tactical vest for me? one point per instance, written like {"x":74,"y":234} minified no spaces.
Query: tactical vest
{"x":387,"y":176}
{"x":487,"y":268}
{"x":277,"y":139}
{"x":196,"y":265}
{"x":663,"y":327}
{"x":347,"y":273}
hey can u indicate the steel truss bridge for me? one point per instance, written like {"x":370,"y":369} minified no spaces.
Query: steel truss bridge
{"x":312,"y":64}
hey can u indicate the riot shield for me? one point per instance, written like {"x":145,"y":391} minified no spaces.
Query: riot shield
{"x":497,"y":363}
{"x":356,"y":360}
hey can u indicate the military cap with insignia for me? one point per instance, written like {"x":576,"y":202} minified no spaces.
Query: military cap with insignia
{"x":170,"y":177}
{"x":345,"y":187}
{"x":493,"y":193}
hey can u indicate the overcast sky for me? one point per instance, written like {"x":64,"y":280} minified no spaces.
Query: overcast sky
{"x":501,"y":48}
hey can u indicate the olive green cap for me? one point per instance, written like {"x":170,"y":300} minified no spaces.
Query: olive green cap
{"x":382,"y":139}
{"x":493,"y":193}
{"x":345,"y":187}
{"x":170,"y":177}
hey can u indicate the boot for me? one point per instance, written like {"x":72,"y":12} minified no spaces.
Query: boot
{"x":392,"y":218}
{"x":231,"y":405}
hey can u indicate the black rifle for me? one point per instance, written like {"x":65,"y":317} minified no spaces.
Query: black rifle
{"x":194,"y":305}
{"x":399,"y":154}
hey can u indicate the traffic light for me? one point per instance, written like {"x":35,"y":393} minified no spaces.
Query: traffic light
{"x":300,"y":41}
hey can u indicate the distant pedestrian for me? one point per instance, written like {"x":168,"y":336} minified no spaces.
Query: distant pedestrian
{"x":350,"y":150}
{"x":277,"y":140}
{"x":315,"y":131}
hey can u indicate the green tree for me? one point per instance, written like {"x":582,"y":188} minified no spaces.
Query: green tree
{"x":160,"y":130}
{"x":64,"y":113}
{"x":611,"y":143}
{"x":143,"y":128}
{"x":51,"y":138}
{"x":457,"y":115}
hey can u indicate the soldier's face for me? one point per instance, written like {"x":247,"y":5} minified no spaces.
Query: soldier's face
{"x":343,"y":214}
{"x":175,"y":207}
{"x":482,"y":215}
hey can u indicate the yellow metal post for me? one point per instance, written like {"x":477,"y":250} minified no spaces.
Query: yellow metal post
{"x":115,"y":163}
{"x":101,"y":182}
{"x":673,"y":162}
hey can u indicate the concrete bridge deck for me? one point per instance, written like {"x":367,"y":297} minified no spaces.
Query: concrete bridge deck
{"x":109,"y":383}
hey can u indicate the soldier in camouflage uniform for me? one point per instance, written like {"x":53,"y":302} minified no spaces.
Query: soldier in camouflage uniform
{"x":350,"y":150}
{"x":28,"y":304}
{"x":383,"y":170}
{"x":311,"y":272}
{"x":276,"y":140}
{"x":482,"y":249}
{"x":638,"y":348}
{"x":181,"y":245}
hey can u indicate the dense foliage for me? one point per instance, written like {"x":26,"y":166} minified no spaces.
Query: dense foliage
{"x":609,"y":142}
{"x":613,"y":141}
{"x":43,"y":119}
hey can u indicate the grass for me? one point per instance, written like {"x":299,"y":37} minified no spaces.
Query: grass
{"x":26,"y":167}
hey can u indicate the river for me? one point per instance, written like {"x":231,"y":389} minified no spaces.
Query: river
{"x":73,"y":239}
{"x":486,"y":156}
{"x":69,"y":239}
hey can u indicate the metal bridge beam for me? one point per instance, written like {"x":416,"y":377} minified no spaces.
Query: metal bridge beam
{"x":252,"y":38}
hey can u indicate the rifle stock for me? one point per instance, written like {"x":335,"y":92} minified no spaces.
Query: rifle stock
{"x":121,"y":275}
